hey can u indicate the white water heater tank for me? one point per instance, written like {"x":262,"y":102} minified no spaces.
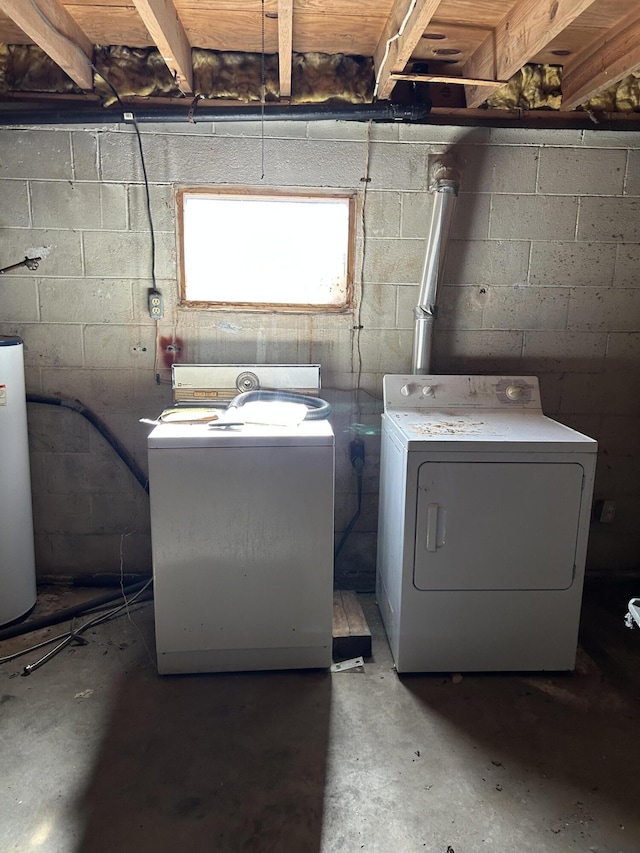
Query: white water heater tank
{"x":17,"y":558}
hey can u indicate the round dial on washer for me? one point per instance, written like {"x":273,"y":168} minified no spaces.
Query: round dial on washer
{"x":428,"y":391}
{"x":247,"y":381}
{"x":513,"y":392}
{"x":406,"y":390}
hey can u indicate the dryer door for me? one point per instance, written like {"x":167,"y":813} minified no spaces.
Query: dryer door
{"x":500,"y":526}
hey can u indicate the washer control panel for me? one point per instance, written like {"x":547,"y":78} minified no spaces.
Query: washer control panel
{"x":469,"y":392}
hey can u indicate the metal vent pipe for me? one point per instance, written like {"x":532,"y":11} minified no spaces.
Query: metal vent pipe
{"x":445,"y":183}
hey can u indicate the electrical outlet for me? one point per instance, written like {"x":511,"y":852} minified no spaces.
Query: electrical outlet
{"x":357,"y":452}
{"x":156,"y":305}
{"x":603,"y":511}
{"x":608,"y":512}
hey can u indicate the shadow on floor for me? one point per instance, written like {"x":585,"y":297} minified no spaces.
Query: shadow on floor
{"x":233,"y":762}
{"x":577,"y":731}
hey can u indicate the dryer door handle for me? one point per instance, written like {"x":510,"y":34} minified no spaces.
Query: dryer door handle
{"x":432,"y":526}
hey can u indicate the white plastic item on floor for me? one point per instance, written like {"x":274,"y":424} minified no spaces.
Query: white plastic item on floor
{"x":17,"y":558}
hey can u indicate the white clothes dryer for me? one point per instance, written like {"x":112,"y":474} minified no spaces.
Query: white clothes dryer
{"x":484,"y":513}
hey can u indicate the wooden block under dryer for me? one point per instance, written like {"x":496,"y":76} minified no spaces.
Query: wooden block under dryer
{"x":351,"y":634}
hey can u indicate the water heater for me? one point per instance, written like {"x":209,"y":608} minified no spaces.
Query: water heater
{"x":17,"y":558}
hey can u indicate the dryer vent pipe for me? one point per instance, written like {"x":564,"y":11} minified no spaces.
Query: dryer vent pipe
{"x":444,"y":184}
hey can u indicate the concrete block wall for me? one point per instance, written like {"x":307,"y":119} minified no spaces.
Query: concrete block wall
{"x":541,"y":279}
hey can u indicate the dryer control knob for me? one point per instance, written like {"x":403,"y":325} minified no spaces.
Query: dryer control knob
{"x":406,"y":390}
{"x":513,"y":392}
{"x":429,"y":391}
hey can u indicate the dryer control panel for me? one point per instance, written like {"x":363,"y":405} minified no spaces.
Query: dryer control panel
{"x":465,"y":392}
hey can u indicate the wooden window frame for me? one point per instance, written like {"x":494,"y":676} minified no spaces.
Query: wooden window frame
{"x":275,"y":193}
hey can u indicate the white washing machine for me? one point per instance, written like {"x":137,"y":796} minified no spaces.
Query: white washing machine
{"x":242,"y":541}
{"x":484,"y":513}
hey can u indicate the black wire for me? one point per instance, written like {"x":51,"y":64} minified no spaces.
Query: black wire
{"x":144,"y":169}
{"x":103,"y":429}
{"x":347,"y":531}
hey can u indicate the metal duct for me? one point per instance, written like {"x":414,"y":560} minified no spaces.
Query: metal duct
{"x":382,"y":111}
{"x":444,"y":185}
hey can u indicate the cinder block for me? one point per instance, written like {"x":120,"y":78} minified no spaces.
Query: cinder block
{"x":444,"y":134}
{"x":610,"y":139}
{"x":14,"y":212}
{"x":34,"y":154}
{"x":574,"y":352}
{"x":623,"y":351}
{"x":394,"y":261}
{"x":470,"y":218}
{"x":19,"y":297}
{"x":496,"y":262}
{"x":402,"y":167}
{"x":526,"y":308}
{"x":476,"y":351}
{"x":632,"y":179}
{"x":386,"y":351}
{"x":66,"y":514}
{"x":332,"y":350}
{"x":610,"y":309}
{"x":620,"y":435}
{"x":116,"y":254}
{"x":119,"y":346}
{"x":541,"y":137}
{"x":86,"y":300}
{"x":227,"y":160}
{"x":572,"y":264}
{"x":113,"y":203}
{"x":270,"y":129}
{"x":84,"y":149}
{"x":498,"y":169}
{"x":124,"y":516}
{"x":95,"y":554}
{"x":586,"y":171}
{"x":55,"y":429}
{"x":99,"y":390}
{"x":162,"y":200}
{"x":86,"y":473}
{"x":47,"y":344}
{"x":537,"y":217}
{"x":598,"y":392}
{"x":609,"y":220}
{"x":378,"y":306}
{"x":60,"y":250}
{"x":66,"y":204}
{"x":382,"y":214}
{"x":627,"y":267}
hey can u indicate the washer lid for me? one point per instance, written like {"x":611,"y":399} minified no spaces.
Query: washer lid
{"x":176,"y":435}
{"x":10,"y":340}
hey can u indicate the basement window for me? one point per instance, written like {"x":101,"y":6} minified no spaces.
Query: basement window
{"x":255,"y":249}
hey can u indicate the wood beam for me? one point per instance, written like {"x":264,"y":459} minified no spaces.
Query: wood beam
{"x":285,"y":45}
{"x":162,"y":21}
{"x":524,"y":31}
{"x":53,"y":29}
{"x":603,"y":63}
{"x":441,"y":78}
{"x":402,"y":32}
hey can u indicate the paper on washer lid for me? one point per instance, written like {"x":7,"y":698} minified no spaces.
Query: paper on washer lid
{"x":271,"y":413}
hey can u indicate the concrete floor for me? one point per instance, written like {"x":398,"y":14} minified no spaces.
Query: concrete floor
{"x":98,"y":754}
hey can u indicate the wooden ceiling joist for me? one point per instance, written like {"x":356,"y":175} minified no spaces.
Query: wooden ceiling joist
{"x":602,"y":65}
{"x":402,"y":32}
{"x":523,"y":32}
{"x":53,"y":29}
{"x":285,"y":45}
{"x":162,"y":21}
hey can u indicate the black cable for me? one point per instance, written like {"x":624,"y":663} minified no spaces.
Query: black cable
{"x":347,"y":531}
{"x":144,"y":169}
{"x":103,"y":429}
{"x":68,"y":612}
